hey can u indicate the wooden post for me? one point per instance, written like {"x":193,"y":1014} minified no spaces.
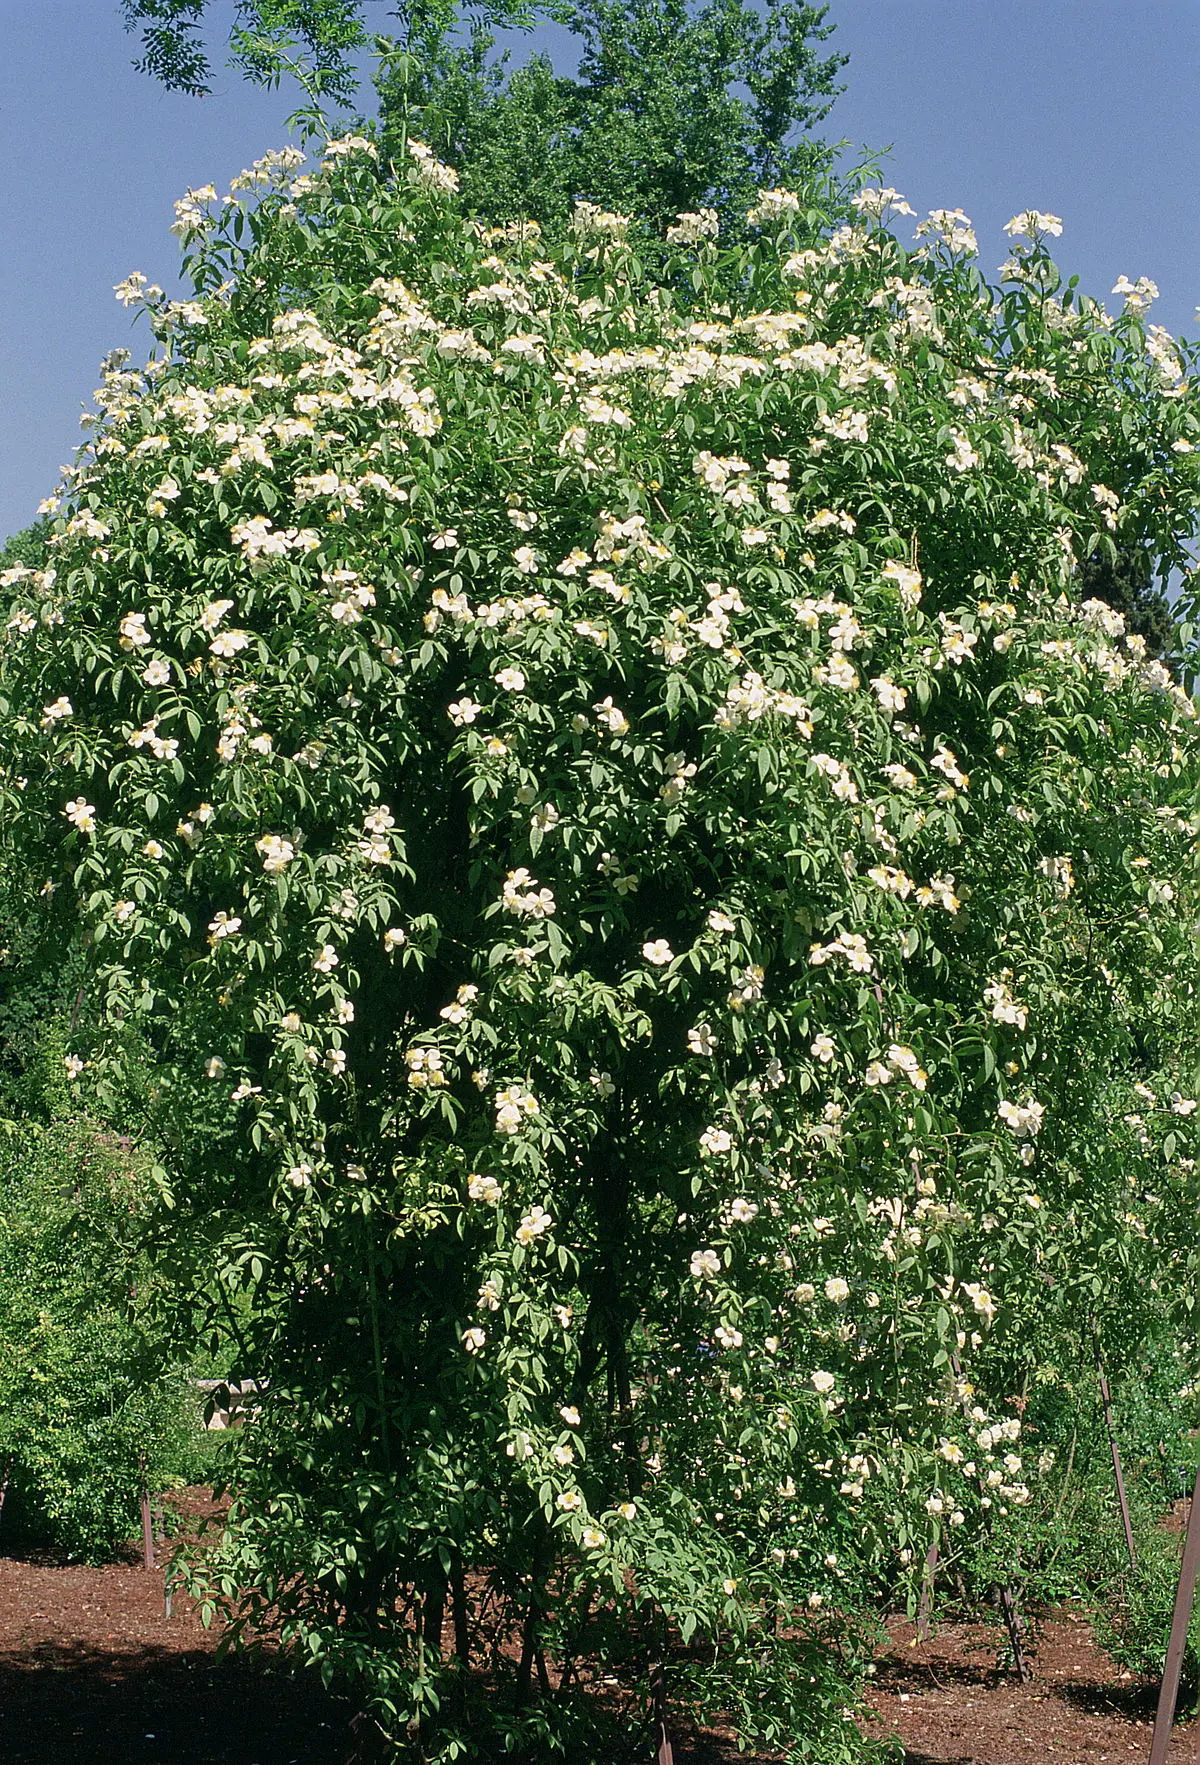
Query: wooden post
{"x":147,"y":1532}
{"x":462,"y":1632}
{"x":1164,"y":1719}
{"x":1122,"y":1500}
{"x":925,"y":1604}
{"x":1012,"y":1623}
{"x":665,"y":1754}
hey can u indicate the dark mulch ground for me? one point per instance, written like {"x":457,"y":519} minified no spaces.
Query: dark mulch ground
{"x":954,"y":1705}
{"x":92,"y":1672}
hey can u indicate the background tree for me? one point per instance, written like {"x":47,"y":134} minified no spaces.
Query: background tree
{"x":674,"y":106}
{"x":96,"y":1402}
{"x":1123,"y":577}
{"x":264,"y":33}
{"x":320,"y":40}
{"x":24,"y":550}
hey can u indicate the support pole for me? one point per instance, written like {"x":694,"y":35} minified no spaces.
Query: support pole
{"x":1164,"y":1719}
{"x":147,"y":1532}
{"x":1012,"y":1623}
{"x":1118,"y":1474}
{"x":662,"y":1734}
{"x":925,"y":1604}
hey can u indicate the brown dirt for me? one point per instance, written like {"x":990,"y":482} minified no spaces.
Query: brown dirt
{"x":92,"y":1672}
{"x":954,"y":1704}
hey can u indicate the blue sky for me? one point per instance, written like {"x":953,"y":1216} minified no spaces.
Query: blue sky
{"x":1086,"y":108}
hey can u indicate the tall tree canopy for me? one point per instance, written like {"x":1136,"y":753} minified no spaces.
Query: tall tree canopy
{"x":674,"y":106}
{"x":320,"y":38}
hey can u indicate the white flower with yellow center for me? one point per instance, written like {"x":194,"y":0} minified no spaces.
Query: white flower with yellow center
{"x":714,"y":1142}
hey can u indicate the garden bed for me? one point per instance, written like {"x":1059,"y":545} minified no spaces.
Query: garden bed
{"x":93,"y":1672}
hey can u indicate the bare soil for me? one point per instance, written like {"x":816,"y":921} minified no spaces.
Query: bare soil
{"x":93,"y":1672}
{"x":953,"y":1702}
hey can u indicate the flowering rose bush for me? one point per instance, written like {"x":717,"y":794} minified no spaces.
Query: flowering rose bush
{"x":644,"y":888}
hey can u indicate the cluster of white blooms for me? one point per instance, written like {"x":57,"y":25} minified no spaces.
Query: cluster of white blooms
{"x":845,"y":425}
{"x":1108,"y":503}
{"x":1024,"y":1119}
{"x":524,"y":898}
{"x":841,"y":783}
{"x":1031,"y":224}
{"x":533,"y":1225}
{"x":851,"y":947}
{"x":1162,"y":350}
{"x":750,"y":699}
{"x":1059,"y":872}
{"x":459,"y":1010}
{"x":514,"y":1106}
{"x":938,"y":892}
{"x":485,"y":1189}
{"x":945,"y":761}
{"x":962,"y":456}
{"x":773,"y":206}
{"x":425,"y":1069}
{"x":900,"y":1061}
{"x":134,"y":290}
{"x":191,"y":212}
{"x":55,"y":712}
{"x":837,"y":672}
{"x":716,"y":1141}
{"x":162,"y":747}
{"x":1005,"y":1009}
{"x":747,"y":987}
{"x":81,"y":814}
{"x":694,"y":229}
{"x":259,"y":541}
{"x":590,"y":221}
{"x":891,"y":880}
{"x":892,"y":698}
{"x":877,"y":202}
{"x":274,"y":168}
{"x":276,"y":853}
{"x":428,"y":171}
{"x":1138,"y":296}
{"x":132,"y":633}
{"x":952,"y":227}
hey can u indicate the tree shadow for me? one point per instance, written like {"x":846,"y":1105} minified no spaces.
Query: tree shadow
{"x":911,"y":1758}
{"x":1136,"y":1701}
{"x":895,"y":1673}
{"x":73,"y":1705}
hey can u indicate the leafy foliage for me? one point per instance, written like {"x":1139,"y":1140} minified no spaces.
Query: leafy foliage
{"x":27,"y":548}
{"x":674,"y":107}
{"x":665,"y":930}
{"x":93,"y":1406}
{"x":315,"y":40}
{"x":1124,"y":580}
{"x":173,"y":49}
